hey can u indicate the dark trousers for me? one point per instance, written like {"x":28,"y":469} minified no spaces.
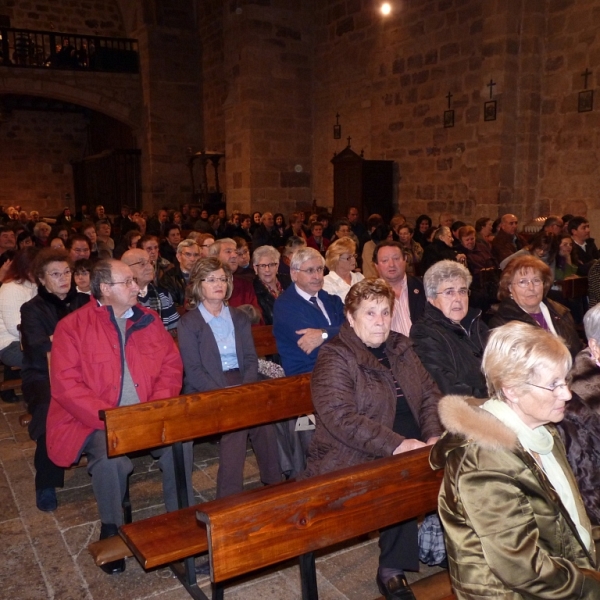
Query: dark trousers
{"x":47,"y":474}
{"x":109,"y":477}
{"x":232,"y":453}
{"x":399,"y":546}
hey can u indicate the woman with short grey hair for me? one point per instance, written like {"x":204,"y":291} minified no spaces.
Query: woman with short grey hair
{"x":268,"y":283}
{"x":450,"y":336}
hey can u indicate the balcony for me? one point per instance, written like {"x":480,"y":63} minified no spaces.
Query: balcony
{"x":53,"y":50}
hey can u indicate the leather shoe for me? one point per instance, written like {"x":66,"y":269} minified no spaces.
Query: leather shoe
{"x":203,"y":568}
{"x":9,"y":396}
{"x":396,"y":588}
{"x":116,"y":566}
{"x":46,"y":500}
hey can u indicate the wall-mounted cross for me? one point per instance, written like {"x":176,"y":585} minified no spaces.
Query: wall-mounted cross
{"x":449,"y":98}
{"x":491,"y":85}
{"x":585,"y":76}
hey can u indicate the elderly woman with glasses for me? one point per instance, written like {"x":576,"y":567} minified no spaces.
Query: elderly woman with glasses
{"x":514,"y":523}
{"x":56,"y":297}
{"x":341,"y":262}
{"x":522,"y":293}
{"x":450,"y":337}
{"x":218,"y":351}
{"x":268,"y":284}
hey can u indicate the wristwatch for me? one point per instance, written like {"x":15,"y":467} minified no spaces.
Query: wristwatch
{"x":324,"y":334}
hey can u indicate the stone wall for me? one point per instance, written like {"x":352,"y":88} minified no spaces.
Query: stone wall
{"x":172,"y":113}
{"x":268,"y":109}
{"x":39,"y":175}
{"x":214,"y":84}
{"x":388,"y":79}
{"x":93,"y":17}
{"x":570,"y":140}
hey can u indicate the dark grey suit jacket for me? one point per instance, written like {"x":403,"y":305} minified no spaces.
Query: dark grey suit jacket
{"x":203,"y":370}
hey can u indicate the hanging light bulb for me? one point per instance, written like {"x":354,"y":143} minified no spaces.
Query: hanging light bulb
{"x":386,"y":8}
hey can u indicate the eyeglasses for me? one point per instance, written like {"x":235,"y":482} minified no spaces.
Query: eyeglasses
{"x":349,"y":257}
{"x":267,"y":265}
{"x":451,"y":292}
{"x":58,"y":274}
{"x":524,"y":283}
{"x":141,"y":262}
{"x":127,"y":283}
{"x":312,"y":270}
{"x":214,"y":280}
{"x":191,"y":254}
{"x":555,"y":387}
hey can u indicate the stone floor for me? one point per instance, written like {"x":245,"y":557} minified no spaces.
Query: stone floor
{"x":44,"y":555}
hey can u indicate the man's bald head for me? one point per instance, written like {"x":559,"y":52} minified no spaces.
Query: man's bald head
{"x":508,"y":224}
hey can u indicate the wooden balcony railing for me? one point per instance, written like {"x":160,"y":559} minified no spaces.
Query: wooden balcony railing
{"x":54,"y":50}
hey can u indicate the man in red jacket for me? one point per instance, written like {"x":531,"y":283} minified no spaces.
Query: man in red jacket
{"x":111,"y":352}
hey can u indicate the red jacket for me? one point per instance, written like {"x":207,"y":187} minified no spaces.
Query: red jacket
{"x":86,"y":372}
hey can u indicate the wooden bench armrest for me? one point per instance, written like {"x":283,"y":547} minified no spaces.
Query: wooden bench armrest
{"x":11,"y":384}
{"x":109,"y":550}
{"x":166,"y":538}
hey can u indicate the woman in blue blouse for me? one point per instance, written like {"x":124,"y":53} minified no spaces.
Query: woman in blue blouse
{"x":218,"y":351}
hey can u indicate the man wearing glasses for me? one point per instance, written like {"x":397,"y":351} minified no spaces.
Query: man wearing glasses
{"x":175,"y":280}
{"x":109,"y":353}
{"x":150,"y":295}
{"x":305,"y":315}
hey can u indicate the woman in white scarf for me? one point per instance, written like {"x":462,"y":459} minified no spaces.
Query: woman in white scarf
{"x":514,"y":521}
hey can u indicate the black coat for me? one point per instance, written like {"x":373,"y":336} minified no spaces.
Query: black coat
{"x":263,"y":237}
{"x":452,"y":353}
{"x":436,"y":251}
{"x":174,"y":282}
{"x":580,"y":431}
{"x":561,"y":317}
{"x":39,"y":317}
{"x":266,"y":301}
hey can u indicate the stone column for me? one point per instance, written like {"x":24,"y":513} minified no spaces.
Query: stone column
{"x":171,"y":87}
{"x":268,"y":114}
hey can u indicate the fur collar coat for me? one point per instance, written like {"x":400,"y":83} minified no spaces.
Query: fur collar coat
{"x":507,"y":533}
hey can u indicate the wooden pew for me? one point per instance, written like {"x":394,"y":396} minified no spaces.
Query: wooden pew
{"x":182,"y":419}
{"x":265,"y":526}
{"x":577,"y":287}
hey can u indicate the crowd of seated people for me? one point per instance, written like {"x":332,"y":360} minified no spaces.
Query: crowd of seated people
{"x":443,"y":285}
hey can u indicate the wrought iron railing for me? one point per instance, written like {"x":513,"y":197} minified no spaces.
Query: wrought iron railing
{"x":54,"y":50}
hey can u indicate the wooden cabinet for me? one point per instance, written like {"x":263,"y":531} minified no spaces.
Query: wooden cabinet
{"x":366,"y":184}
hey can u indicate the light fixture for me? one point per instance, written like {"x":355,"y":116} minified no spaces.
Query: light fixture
{"x":386,"y":8}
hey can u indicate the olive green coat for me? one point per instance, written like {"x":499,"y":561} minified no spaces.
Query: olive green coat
{"x":508,"y":534}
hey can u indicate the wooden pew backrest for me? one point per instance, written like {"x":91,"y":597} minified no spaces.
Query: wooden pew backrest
{"x":276,"y":523}
{"x":184,"y":418}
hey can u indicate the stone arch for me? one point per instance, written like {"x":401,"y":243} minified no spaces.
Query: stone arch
{"x":83,"y":89}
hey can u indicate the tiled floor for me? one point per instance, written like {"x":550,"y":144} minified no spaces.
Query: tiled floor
{"x":44,"y":555}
